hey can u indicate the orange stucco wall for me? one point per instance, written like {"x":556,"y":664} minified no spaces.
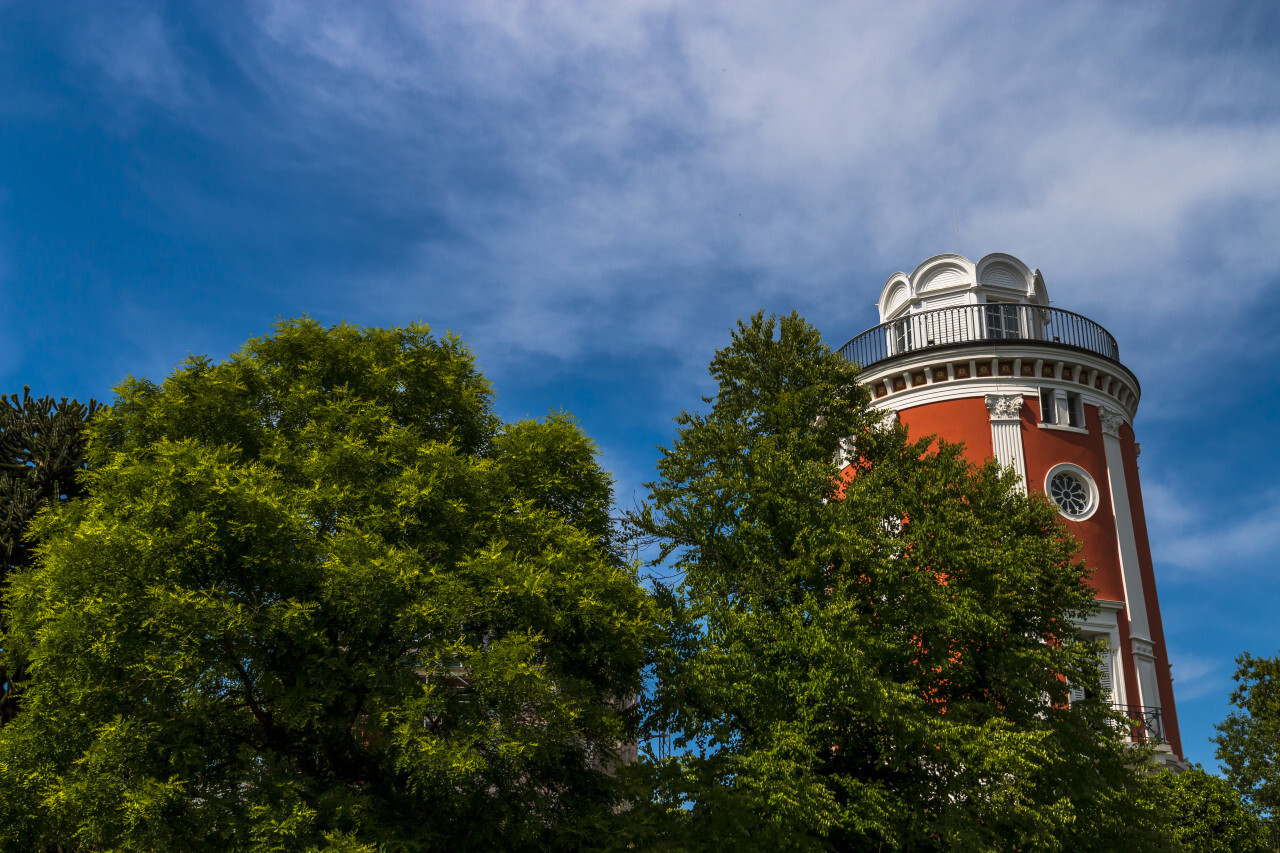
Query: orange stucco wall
{"x":1045,"y":448}
{"x":964,"y":420}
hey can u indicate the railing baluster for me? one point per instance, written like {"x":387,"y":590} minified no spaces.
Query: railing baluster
{"x":970,"y":324}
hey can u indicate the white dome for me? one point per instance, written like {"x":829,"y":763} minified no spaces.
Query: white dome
{"x":946,"y":280}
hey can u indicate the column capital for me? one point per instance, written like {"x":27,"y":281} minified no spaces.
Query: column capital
{"x":1004,"y":407}
{"x":1111,"y":421}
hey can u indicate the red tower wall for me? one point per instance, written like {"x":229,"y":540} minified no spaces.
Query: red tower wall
{"x":967,"y":420}
{"x":964,"y":419}
{"x":965,"y":350}
{"x":1045,"y":448}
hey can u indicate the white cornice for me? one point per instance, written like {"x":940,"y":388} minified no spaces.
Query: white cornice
{"x":1119,"y":389}
{"x":1004,"y":352}
{"x":964,"y":388}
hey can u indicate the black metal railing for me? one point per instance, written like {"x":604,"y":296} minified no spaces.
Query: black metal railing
{"x":1145,"y":724}
{"x":972,"y":324}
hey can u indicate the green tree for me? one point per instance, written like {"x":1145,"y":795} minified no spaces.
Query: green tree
{"x":42,"y":445}
{"x":874,"y":661}
{"x":1205,"y":814}
{"x":319,"y":597}
{"x":1249,"y":738}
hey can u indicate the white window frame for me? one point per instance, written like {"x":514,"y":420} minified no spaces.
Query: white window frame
{"x":1104,"y":624}
{"x":1059,"y":407}
{"x":1010,"y":324}
{"x":1085,"y":479}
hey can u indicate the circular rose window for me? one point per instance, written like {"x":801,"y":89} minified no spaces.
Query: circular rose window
{"x":1073,"y":490}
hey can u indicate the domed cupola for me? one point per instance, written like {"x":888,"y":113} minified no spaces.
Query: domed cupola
{"x":945,"y":281}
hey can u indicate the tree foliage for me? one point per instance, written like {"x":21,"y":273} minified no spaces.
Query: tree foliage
{"x":1249,"y":738}
{"x":873,"y":661}
{"x":41,"y":451}
{"x":318,"y":597}
{"x":42,"y":445}
{"x":1204,"y":814}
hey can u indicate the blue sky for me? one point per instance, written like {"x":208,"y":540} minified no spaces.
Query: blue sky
{"x":591,"y":194}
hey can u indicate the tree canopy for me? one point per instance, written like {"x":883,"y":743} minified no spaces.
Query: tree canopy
{"x":317,"y":596}
{"x":1249,"y":738}
{"x":1204,"y":814}
{"x":878,"y":660}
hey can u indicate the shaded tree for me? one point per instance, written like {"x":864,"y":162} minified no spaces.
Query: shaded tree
{"x":318,"y":596}
{"x":871,"y":661}
{"x":1205,"y":814}
{"x":42,"y":446}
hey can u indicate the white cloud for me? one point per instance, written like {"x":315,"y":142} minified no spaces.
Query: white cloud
{"x":832,"y":130}
{"x":133,"y":54}
{"x":637,"y":174}
{"x":1200,"y":540}
{"x":1197,"y":676}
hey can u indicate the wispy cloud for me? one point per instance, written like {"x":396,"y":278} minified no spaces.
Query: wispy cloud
{"x":1198,"y":676}
{"x":570,"y":180}
{"x":130,"y":53}
{"x":1202,"y":539}
{"x":643,"y":146}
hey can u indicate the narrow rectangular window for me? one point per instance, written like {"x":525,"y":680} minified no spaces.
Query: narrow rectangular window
{"x":1002,"y":322}
{"x":1105,"y":676}
{"x":1075,"y":411}
{"x":1048,"y":407}
{"x":902,"y":335}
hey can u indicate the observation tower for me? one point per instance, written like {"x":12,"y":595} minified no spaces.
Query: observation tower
{"x":973,"y":352}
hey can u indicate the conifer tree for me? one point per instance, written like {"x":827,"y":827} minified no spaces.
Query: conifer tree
{"x":42,"y":446}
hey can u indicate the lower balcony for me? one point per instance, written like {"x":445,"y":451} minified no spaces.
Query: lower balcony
{"x":1145,"y":724}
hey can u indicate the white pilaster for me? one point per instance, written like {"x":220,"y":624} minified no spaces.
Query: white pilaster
{"x":1135,"y":599}
{"x":1006,"y":433}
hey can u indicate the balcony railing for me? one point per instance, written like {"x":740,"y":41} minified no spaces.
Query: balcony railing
{"x":1145,"y":724}
{"x":980,"y":324}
